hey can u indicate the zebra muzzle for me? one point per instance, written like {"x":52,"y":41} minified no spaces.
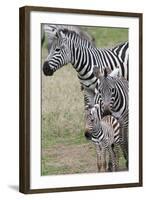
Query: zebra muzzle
{"x":107,"y":111}
{"x":87,"y":135}
{"x":46,"y":69}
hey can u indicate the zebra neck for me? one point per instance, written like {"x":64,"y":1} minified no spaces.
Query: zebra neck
{"x":83,"y":63}
{"x":99,"y":133}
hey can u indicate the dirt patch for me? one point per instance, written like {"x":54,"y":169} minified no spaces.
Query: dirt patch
{"x":73,"y":159}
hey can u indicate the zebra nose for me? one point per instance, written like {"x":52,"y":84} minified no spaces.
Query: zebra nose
{"x":107,"y":111}
{"x":46,"y":69}
{"x":87,"y":135}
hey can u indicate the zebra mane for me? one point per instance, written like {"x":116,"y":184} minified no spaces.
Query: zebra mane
{"x":72,"y":33}
{"x":68,"y":32}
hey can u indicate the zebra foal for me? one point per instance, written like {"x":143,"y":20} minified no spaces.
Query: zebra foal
{"x":105,"y":133}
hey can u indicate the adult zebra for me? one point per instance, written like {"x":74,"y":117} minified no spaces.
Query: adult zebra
{"x":113,"y":91}
{"x":105,"y":133}
{"x":69,"y":47}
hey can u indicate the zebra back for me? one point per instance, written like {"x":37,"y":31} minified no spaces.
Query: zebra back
{"x":111,"y":128}
{"x":122,"y":51}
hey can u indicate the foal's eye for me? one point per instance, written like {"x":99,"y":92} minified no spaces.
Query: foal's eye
{"x":57,"y":49}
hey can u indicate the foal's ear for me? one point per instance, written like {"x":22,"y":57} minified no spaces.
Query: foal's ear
{"x":96,"y":105}
{"x":60,"y":34}
{"x":115,"y":73}
{"x":86,"y":107}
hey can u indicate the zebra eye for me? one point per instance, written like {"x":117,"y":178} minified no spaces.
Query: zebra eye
{"x":57,"y":49}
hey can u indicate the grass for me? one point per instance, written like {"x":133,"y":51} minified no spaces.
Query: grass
{"x":108,"y":37}
{"x":64,"y":147}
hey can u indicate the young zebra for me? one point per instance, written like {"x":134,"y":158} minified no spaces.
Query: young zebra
{"x":105,"y":133}
{"x":113,"y":94}
{"x":69,"y":47}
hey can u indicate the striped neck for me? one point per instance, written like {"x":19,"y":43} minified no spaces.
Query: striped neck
{"x":83,"y":63}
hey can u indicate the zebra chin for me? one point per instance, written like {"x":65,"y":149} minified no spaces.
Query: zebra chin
{"x":47,"y":70}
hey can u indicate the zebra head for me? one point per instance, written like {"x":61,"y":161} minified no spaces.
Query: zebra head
{"x":92,"y":121}
{"x":106,"y":89}
{"x":59,"y":54}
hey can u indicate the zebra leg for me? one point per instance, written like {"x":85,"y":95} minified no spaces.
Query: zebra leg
{"x":104,"y":162}
{"x":116,"y":155}
{"x":101,"y":159}
{"x":124,"y":148}
{"x":113,"y":158}
{"x":98,"y":151}
{"x":113,"y":162}
{"x":125,"y":153}
{"x":124,"y":145}
{"x":109,"y":169}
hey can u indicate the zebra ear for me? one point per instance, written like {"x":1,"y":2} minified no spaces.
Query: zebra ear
{"x":61,"y":34}
{"x":57,"y":35}
{"x":86,"y":107}
{"x":115,"y":73}
{"x":96,"y":105}
{"x":49,"y":29}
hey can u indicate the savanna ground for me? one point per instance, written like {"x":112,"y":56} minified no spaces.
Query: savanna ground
{"x":64,"y":147}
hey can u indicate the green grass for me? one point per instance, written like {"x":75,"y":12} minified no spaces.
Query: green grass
{"x":108,"y":37}
{"x":64,"y":147}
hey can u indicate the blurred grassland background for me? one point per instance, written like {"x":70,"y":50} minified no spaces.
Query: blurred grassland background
{"x":64,"y":147}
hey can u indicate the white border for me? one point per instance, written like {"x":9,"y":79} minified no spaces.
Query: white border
{"x":132,"y":176}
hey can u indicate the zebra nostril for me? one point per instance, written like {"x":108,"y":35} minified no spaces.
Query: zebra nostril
{"x":87,"y":135}
{"x":46,"y":69}
{"x":107,"y":110}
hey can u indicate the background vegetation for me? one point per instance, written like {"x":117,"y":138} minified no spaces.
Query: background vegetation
{"x":64,"y":147}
